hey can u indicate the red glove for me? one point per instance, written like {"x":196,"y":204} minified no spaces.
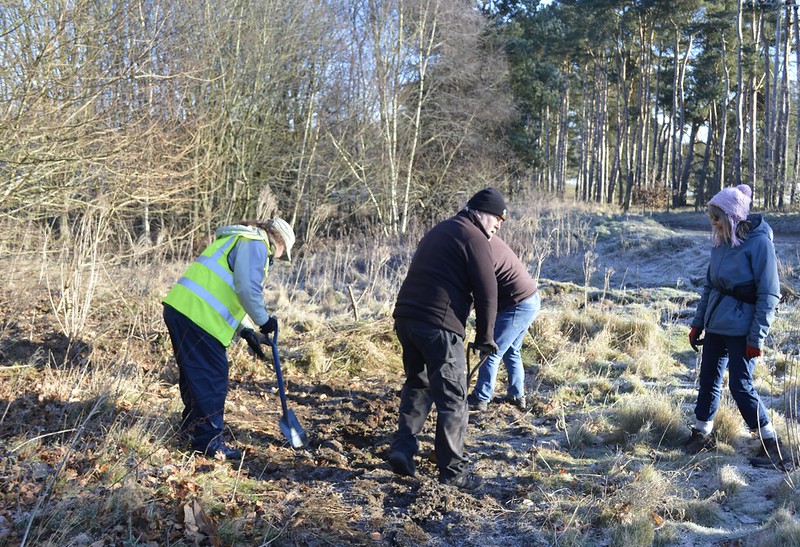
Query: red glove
{"x":750,"y":352}
{"x":694,"y":335}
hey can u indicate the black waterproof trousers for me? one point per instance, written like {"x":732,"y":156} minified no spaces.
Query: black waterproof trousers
{"x":203,"y":368}
{"x":435,"y":368}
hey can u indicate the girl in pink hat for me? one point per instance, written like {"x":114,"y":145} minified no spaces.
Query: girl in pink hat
{"x":736,"y":309}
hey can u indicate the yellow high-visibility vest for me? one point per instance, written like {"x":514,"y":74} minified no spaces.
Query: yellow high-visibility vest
{"x":206,"y":293}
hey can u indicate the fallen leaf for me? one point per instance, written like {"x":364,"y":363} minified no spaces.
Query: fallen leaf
{"x":657,"y":518}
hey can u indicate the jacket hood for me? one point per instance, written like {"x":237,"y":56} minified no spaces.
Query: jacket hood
{"x":759,"y":227}
{"x":250,"y":232}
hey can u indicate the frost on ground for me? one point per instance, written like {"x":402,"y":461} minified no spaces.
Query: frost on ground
{"x":89,"y":456}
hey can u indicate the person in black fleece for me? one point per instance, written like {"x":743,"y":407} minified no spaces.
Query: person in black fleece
{"x":451,"y":271}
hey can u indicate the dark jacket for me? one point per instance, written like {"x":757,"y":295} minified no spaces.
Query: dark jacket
{"x":452,"y":269}
{"x":514,"y":283}
{"x":750,"y":264}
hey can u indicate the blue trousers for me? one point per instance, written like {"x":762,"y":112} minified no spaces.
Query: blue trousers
{"x":203,"y":378}
{"x":720,"y":352}
{"x":436,"y":373}
{"x":510,"y":328}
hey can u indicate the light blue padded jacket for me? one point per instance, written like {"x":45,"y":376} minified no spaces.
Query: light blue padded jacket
{"x":753,"y":262}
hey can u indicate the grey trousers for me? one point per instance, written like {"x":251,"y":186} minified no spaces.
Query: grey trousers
{"x":435,"y":368}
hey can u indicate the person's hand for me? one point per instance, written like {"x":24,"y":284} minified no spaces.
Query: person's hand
{"x":490,"y":348}
{"x":694,"y":338}
{"x":270,"y":326}
{"x":751,"y":352}
{"x":251,"y":337}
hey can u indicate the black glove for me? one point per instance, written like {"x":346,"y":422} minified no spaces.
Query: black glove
{"x":270,"y":326}
{"x":490,"y":348}
{"x":694,"y":338}
{"x":251,"y":337}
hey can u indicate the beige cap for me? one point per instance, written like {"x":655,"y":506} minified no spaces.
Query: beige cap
{"x":282,"y":228}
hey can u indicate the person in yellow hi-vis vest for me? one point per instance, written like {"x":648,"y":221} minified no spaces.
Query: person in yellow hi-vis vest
{"x":204,"y":311}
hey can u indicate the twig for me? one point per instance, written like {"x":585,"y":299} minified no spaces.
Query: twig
{"x":353,"y":302}
{"x":238,"y":476}
{"x":538,"y":452}
{"x":42,"y":437}
{"x":46,"y":493}
{"x":279,"y":534}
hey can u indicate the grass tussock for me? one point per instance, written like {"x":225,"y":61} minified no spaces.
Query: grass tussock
{"x":783,"y":528}
{"x":351,"y":349}
{"x":638,"y":530}
{"x":728,"y":424}
{"x":576,"y":345}
{"x":703,"y":512}
{"x":586,"y":431}
{"x":91,"y":406}
{"x":651,"y":417}
{"x":640,"y":505}
{"x":731,"y":480}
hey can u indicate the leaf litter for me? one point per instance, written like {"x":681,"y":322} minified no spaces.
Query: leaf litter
{"x":543,"y":486}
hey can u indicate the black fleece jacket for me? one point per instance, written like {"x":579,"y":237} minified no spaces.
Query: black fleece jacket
{"x":452,"y":269}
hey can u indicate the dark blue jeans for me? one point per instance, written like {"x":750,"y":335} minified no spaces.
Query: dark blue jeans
{"x":436,"y":373}
{"x":720,"y":352}
{"x":203,"y":378}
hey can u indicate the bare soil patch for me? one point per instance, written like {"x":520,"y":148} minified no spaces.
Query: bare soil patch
{"x":84,"y":467}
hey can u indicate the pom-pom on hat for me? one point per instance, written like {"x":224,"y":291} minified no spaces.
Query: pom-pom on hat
{"x":735,"y":202}
{"x":489,"y":201}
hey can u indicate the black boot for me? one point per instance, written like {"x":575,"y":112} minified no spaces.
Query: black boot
{"x":773,"y":457}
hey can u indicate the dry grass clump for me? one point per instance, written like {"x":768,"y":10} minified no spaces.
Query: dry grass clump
{"x":703,"y":512}
{"x":731,"y":480}
{"x":572,"y":341}
{"x":638,"y":506}
{"x":786,"y":489}
{"x":580,"y":326}
{"x":587,"y":430}
{"x":651,"y":364}
{"x":564,"y":367}
{"x":584,"y":391}
{"x":351,"y":349}
{"x":652,"y":417}
{"x":638,"y":332}
{"x":728,"y":423}
{"x":629,"y":383}
{"x":546,"y":337}
{"x":637,"y":530}
{"x":783,"y":528}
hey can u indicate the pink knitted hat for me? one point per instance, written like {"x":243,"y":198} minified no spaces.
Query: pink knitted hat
{"x":735,"y":201}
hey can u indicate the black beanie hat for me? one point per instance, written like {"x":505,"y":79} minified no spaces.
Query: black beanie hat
{"x":489,"y":201}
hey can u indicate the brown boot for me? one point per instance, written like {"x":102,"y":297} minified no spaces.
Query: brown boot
{"x":773,"y":457}
{"x":698,"y":442}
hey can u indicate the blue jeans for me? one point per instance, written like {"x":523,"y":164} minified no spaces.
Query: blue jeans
{"x":720,"y":352}
{"x":510,"y":328}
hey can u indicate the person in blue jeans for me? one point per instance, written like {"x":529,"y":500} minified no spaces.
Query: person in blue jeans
{"x":735,"y":310}
{"x":518,"y":303}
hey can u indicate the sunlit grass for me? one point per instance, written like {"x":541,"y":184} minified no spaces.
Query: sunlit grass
{"x":600,"y":457}
{"x":653,"y":415}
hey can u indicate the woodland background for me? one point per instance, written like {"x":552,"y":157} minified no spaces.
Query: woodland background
{"x":155,"y":121}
